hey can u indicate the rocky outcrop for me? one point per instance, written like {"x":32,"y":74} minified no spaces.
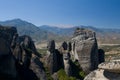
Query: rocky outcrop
{"x":7,"y":33}
{"x":85,"y":49}
{"x":7,"y":62}
{"x":66,"y":58}
{"x":54,"y":58}
{"x":37,"y":67}
{"x":29,"y":67}
{"x":106,"y":71}
{"x":15,"y":57}
{"x":112,"y":66}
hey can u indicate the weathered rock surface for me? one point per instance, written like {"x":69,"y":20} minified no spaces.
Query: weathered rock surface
{"x":66,"y":58}
{"x":7,"y":62}
{"x":13,"y":65}
{"x":37,"y":67}
{"x":7,"y":33}
{"x":85,"y":49}
{"x":54,"y":59}
{"x":106,"y":71}
{"x":101,"y":74}
{"x":112,"y":66}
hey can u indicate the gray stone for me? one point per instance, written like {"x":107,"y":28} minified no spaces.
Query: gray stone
{"x":7,"y":64}
{"x":101,"y":74}
{"x":7,"y":33}
{"x":66,"y":58}
{"x":52,"y":63}
{"x":37,"y":67}
{"x":112,"y":66}
{"x":106,"y":71}
{"x":85,"y":49}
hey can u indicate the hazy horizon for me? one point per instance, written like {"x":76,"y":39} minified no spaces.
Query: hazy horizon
{"x":65,"y":13}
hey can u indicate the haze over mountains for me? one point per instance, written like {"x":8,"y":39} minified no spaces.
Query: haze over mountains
{"x":46,"y":32}
{"x":26,"y":28}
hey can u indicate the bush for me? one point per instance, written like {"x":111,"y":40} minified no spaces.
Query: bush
{"x":63,"y":76}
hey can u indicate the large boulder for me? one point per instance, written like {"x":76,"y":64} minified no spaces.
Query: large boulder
{"x":112,"y":66}
{"x":85,"y":49}
{"x":106,"y":71}
{"x":101,"y":74}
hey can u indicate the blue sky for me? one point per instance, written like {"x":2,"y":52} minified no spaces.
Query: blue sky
{"x":65,"y":13}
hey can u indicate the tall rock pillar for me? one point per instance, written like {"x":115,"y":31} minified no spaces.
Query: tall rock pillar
{"x":86,"y":49}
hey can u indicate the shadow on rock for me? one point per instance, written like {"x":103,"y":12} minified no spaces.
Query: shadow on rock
{"x":38,"y":69}
{"x":111,"y":75}
{"x":76,"y":70}
{"x":25,"y":73}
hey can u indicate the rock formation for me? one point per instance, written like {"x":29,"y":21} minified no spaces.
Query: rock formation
{"x":85,"y":49}
{"x":52,"y":57}
{"x":23,"y":51}
{"x":8,"y":33}
{"x":7,"y":63}
{"x":15,"y":57}
{"x":112,"y":66}
{"x":106,"y":71}
{"x":66,"y":58}
{"x":37,"y":67}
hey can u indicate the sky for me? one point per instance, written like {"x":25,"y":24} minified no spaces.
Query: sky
{"x":64,"y":13}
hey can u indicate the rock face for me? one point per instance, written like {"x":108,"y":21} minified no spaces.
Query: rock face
{"x":66,"y":58}
{"x":106,"y":71}
{"x":7,"y":33}
{"x":7,"y":62}
{"x":23,"y":47}
{"x":52,"y":61}
{"x":85,"y":49}
{"x":15,"y":57}
{"x":112,"y":66}
{"x":37,"y":67}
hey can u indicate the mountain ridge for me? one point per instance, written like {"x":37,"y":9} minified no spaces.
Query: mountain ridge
{"x":27,"y":28}
{"x":46,"y":32}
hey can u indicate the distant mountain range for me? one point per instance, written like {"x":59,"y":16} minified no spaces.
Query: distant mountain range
{"x":103,"y":35}
{"x":64,"y":31}
{"x":46,"y":32}
{"x":69,"y":31}
{"x":26,"y":28}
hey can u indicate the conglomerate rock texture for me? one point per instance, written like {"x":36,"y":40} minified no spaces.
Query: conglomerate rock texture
{"x":85,"y":49}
